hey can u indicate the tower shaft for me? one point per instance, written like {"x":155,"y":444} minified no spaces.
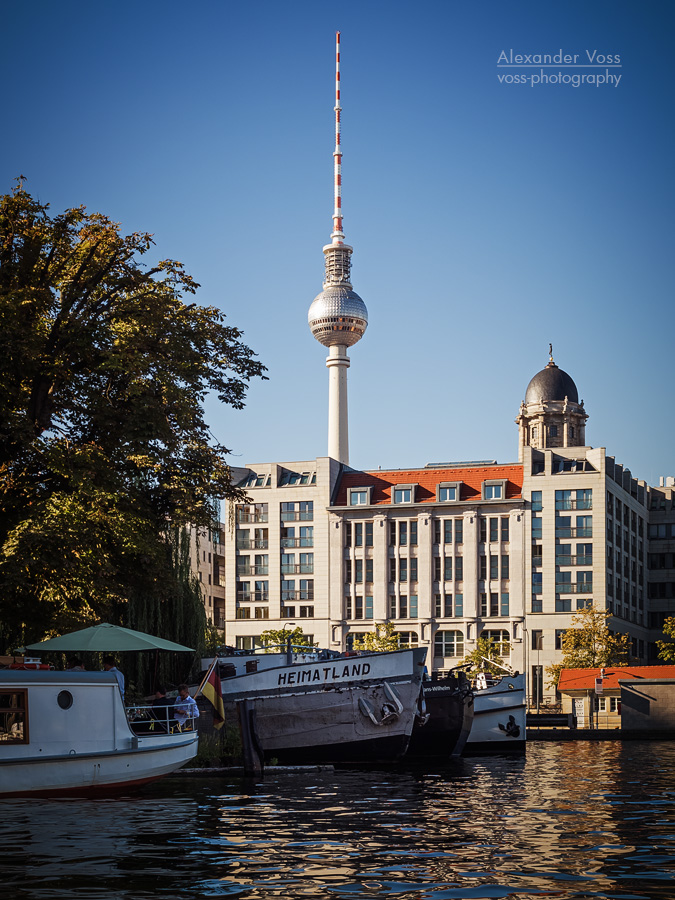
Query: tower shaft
{"x":338,"y":362}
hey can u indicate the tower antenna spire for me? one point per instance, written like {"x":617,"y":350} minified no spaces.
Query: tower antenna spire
{"x":337,"y":235}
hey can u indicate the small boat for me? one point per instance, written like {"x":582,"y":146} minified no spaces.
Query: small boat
{"x":68,"y":733}
{"x":320,"y":706}
{"x":448,"y":715}
{"x":499,"y":715}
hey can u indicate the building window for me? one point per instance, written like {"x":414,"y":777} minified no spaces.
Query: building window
{"x":407,"y":639}
{"x":535,"y":501}
{"x":553,"y":431}
{"x":536,"y":604}
{"x":494,"y":567}
{"x":536,"y":528}
{"x":404,"y":493}
{"x":537,"y":639}
{"x":262,"y":612}
{"x":243,"y":612}
{"x":369,"y":534}
{"x":537,"y":583}
{"x":306,"y":612}
{"x":500,"y":639}
{"x":287,"y":612}
{"x":494,"y":490}
{"x":369,"y":607}
{"x":448,"y":492}
{"x":504,"y":607}
{"x":494,"y":530}
{"x":482,"y":530}
{"x":459,"y":605}
{"x":505,"y":566}
{"x":403,"y":569}
{"x":413,"y":606}
{"x":449,"y":643}
{"x":359,"y":497}
{"x":369,"y":571}
{"x":559,"y":634}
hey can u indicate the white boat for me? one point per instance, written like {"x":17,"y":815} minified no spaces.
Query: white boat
{"x":69,"y":733}
{"x":498,"y":715}
{"x":321,"y":706}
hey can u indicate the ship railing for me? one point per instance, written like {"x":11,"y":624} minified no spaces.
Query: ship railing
{"x":155,"y":720}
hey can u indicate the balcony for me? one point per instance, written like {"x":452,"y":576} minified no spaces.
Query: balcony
{"x":574,"y":560}
{"x":253,"y":597}
{"x":574,"y":504}
{"x":253,"y":545}
{"x":297,"y":542}
{"x":567,"y":587}
{"x":300,"y":596}
{"x":252,"y":570}
{"x":294,"y":516}
{"x":573,"y":532}
{"x":252,"y":518}
{"x":298,"y":569}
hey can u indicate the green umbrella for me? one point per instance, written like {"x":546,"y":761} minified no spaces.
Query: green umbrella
{"x":106,"y":638}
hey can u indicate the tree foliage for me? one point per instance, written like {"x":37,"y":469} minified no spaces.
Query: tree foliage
{"x":104,"y":369}
{"x":589,"y":644}
{"x":487,"y":656}
{"x":384,"y":637}
{"x":276,"y":639}
{"x":667,"y":648}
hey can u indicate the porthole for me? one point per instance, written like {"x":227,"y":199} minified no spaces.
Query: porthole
{"x":65,"y":699}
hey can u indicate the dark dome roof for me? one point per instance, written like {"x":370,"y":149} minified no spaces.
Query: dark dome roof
{"x":551,"y":384}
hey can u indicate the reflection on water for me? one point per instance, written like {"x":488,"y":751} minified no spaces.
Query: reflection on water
{"x":575,"y":820}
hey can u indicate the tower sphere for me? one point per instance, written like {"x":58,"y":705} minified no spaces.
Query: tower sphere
{"x":338,"y":316}
{"x":551,"y":384}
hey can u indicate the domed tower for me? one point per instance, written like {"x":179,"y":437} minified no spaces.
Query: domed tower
{"x":338,"y":317}
{"x":551,"y":414}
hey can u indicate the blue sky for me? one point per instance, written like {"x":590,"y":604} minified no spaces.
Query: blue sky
{"x":487,"y":219}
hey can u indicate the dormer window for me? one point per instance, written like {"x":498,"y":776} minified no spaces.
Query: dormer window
{"x":403,"y":493}
{"x":494,"y":490}
{"x":448,"y":491}
{"x":359,"y":496}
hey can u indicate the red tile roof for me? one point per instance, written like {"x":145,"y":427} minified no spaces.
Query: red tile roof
{"x":584,"y":679}
{"x":427,"y":480}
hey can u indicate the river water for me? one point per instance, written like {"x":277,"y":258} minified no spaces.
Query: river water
{"x":570,"y":820}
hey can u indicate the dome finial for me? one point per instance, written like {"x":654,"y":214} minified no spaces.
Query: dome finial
{"x":550,"y":355}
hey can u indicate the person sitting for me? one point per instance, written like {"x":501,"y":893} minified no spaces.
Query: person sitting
{"x":109,"y":666}
{"x":75,"y":664}
{"x":160,"y":707}
{"x":185,"y":708}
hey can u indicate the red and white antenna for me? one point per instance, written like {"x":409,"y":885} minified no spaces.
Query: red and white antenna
{"x":337,"y":235}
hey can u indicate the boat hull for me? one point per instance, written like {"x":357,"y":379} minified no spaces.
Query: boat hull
{"x":352,"y":709}
{"x":499,"y":718}
{"x":93,"y":775}
{"x":449,"y":705}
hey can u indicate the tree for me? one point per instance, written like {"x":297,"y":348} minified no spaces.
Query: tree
{"x":487,"y":656}
{"x":383,"y":638}
{"x":667,"y":648}
{"x":104,"y":369}
{"x":589,"y":644}
{"x":274,"y":639}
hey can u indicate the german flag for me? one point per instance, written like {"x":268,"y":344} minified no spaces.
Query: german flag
{"x":213,"y":692}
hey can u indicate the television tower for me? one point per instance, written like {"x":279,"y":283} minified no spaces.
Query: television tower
{"x":338,"y":317}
